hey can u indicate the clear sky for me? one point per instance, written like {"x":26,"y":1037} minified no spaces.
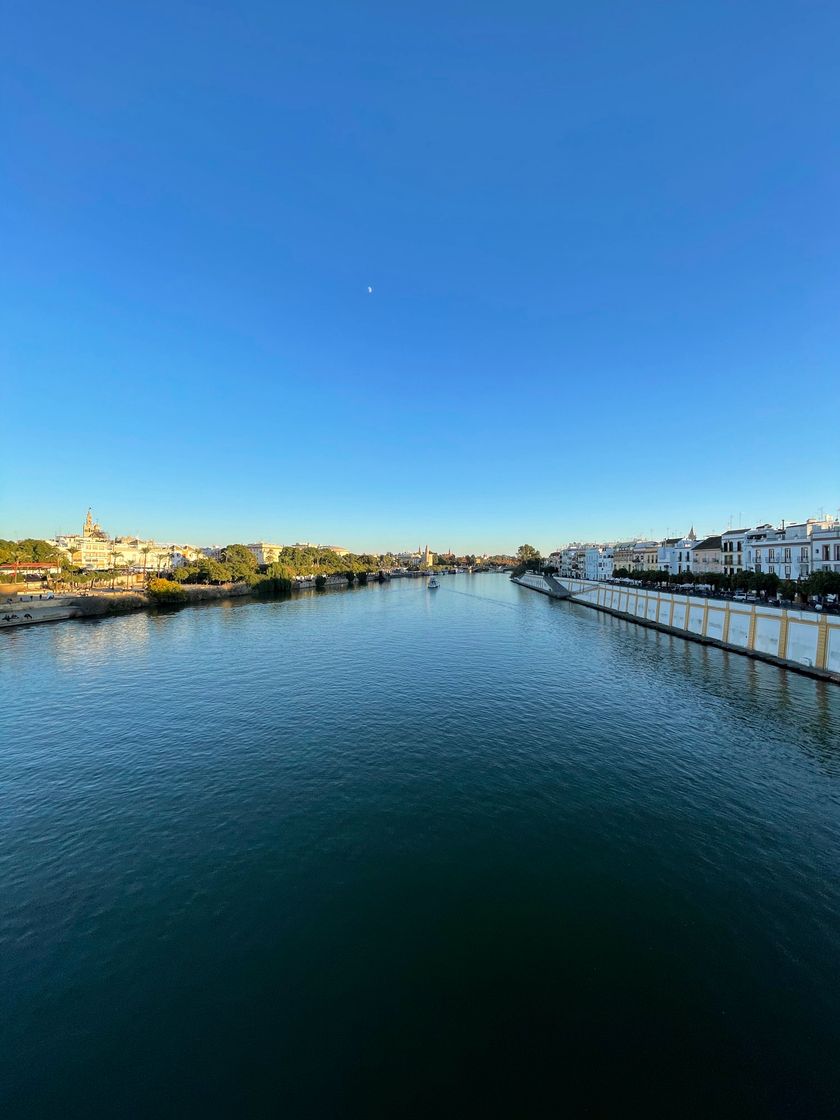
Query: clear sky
{"x":603,"y":240}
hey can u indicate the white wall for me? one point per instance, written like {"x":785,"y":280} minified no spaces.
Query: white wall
{"x":803,"y":637}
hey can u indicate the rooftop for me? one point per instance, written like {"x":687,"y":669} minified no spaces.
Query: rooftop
{"x":709,"y":542}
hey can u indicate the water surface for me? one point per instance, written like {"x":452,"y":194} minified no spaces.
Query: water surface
{"x":393,"y":851}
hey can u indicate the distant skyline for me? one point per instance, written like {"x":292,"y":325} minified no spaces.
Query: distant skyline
{"x":436,"y":546}
{"x":380,"y":276}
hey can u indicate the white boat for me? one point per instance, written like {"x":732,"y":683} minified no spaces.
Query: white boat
{"x":433,"y":583}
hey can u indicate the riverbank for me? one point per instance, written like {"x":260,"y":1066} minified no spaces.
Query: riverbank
{"x":800,"y":640}
{"x":27,"y":610}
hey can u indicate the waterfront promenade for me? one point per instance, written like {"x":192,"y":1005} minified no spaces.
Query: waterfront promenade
{"x":807,"y":641}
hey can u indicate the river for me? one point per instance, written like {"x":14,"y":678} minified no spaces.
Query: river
{"x":394,"y":851}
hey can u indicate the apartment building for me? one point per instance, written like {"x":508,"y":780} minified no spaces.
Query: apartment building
{"x":665,"y":554}
{"x":681,"y":553}
{"x":825,"y":548}
{"x":733,"y":551}
{"x":706,"y":556}
{"x":599,"y":561}
{"x":645,"y":556}
{"x":788,"y":550}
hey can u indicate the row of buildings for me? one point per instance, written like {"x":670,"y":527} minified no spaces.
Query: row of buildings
{"x":792,"y":551}
{"x":94,"y":550}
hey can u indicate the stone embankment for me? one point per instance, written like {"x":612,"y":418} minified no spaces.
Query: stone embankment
{"x":26,"y":610}
{"x":803,"y":640}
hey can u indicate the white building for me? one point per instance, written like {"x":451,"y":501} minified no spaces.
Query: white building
{"x":571,"y":560}
{"x":733,"y":551}
{"x":788,"y":550}
{"x":665,"y":554}
{"x":681,"y":553}
{"x":825,"y":548}
{"x":598,"y":561}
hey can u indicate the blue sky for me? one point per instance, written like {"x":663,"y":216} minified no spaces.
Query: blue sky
{"x":603,"y":241}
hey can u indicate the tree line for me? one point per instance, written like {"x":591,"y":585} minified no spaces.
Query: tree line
{"x":237,"y":564}
{"x":29,"y":551}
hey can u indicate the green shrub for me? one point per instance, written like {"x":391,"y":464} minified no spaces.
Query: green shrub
{"x":165,"y":591}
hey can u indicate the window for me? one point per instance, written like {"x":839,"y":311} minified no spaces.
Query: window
{"x":837,"y":552}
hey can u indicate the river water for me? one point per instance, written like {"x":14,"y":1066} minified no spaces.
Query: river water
{"x":394,"y":851}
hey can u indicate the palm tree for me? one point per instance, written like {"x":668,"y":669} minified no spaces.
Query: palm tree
{"x":116,"y":556}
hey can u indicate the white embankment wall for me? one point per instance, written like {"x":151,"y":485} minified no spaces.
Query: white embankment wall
{"x":802,"y":639}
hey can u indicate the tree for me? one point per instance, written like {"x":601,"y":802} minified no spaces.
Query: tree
{"x":240,"y":561}
{"x":528,"y":557}
{"x":787,"y":589}
{"x":823,"y":583}
{"x":116,"y":556}
{"x":279,"y":571}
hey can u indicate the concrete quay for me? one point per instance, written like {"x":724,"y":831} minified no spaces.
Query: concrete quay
{"x":25,"y":610}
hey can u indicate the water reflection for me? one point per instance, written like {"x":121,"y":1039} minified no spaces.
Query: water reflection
{"x":800,"y":708}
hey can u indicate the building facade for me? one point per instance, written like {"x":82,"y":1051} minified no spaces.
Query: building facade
{"x":733,"y":551}
{"x":265,"y":553}
{"x":645,"y":555}
{"x":623,"y":555}
{"x":787,"y":551}
{"x":665,"y":554}
{"x":94,"y":550}
{"x":825,"y":548}
{"x":681,"y":554}
{"x":706,"y":556}
{"x":598,"y":561}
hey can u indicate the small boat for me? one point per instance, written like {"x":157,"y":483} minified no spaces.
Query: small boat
{"x":433,"y":583}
